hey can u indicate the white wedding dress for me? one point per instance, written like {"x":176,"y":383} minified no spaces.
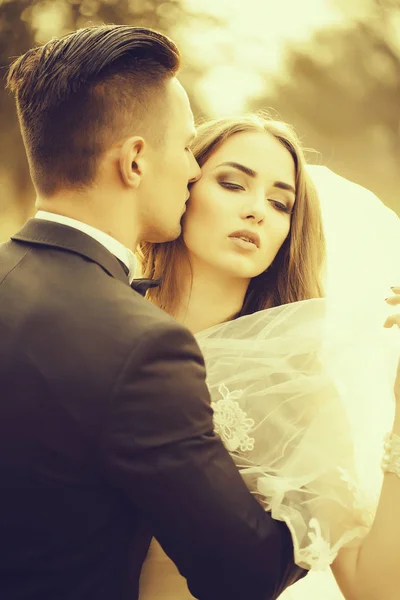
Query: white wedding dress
{"x":312,"y":375}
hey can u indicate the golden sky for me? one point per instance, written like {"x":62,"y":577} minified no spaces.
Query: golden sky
{"x":251,"y":43}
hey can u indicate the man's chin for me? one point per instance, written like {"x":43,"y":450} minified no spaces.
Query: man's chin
{"x":159,"y":237}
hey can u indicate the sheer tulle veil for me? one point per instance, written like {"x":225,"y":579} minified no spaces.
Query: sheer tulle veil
{"x":363,"y":246}
{"x":302,"y":393}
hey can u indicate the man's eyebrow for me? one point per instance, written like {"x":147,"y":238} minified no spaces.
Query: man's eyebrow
{"x":278,"y":184}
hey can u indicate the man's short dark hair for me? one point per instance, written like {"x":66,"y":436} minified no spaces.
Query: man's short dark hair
{"x":79,"y":94}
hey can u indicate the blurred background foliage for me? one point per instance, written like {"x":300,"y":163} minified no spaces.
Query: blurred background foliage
{"x":335,"y":78}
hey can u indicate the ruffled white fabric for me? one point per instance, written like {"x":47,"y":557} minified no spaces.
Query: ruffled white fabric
{"x":363,"y":248}
{"x":302,"y":403}
{"x":293,"y":402}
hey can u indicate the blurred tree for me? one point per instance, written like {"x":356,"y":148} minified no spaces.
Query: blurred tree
{"x":342,"y":92}
{"x":15,"y":37}
{"x":25,"y":23}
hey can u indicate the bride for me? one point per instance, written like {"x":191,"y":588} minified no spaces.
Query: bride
{"x":301,"y":379}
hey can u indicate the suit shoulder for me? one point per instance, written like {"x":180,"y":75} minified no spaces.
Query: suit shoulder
{"x":141,"y":322}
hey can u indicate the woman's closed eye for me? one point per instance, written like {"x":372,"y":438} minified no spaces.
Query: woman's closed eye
{"x":229,"y":185}
{"x":281,"y":206}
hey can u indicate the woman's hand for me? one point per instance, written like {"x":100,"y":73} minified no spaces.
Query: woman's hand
{"x":392,"y":321}
{"x":394,"y":301}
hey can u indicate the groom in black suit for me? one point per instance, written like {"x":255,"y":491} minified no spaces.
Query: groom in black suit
{"x":106,"y":433}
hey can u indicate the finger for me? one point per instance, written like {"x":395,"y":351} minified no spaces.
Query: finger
{"x":392,"y":320}
{"x":395,"y":289}
{"x":393,"y":300}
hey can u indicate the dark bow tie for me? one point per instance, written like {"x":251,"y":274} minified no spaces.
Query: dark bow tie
{"x":142,"y":285}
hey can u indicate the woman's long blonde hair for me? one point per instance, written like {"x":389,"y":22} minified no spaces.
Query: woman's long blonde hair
{"x":296,"y":271}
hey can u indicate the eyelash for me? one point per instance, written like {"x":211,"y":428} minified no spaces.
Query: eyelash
{"x":234,"y":187}
{"x":231,"y":186}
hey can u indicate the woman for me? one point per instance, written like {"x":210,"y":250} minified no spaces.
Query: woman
{"x":245,"y":277}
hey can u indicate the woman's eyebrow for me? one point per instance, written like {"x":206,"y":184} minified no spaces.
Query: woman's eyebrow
{"x":239,"y":167}
{"x":284,"y":186}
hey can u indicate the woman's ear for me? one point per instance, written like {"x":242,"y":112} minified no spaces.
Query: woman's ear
{"x":131,"y":161}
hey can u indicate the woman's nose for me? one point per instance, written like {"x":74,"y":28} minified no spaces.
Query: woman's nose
{"x":256,"y":209}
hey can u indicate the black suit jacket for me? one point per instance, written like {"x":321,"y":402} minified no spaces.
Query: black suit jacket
{"x":106,"y":438}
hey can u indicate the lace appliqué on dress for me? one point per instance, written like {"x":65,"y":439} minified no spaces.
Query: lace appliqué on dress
{"x":231,"y":422}
{"x":319,"y":553}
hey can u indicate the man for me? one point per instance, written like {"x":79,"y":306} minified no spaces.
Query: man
{"x":105,"y":420}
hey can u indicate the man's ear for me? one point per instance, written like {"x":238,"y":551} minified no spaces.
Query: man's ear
{"x":131,"y":161}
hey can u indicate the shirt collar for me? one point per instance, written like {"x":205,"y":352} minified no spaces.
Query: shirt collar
{"x":124,"y":254}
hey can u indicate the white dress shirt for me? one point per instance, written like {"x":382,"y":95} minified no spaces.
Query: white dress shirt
{"x":120,"y":251}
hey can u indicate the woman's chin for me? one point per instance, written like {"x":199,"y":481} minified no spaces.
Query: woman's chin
{"x":239,"y":272}
{"x":241,"y":269}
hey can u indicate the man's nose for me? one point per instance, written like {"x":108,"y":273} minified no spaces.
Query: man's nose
{"x":195,"y":171}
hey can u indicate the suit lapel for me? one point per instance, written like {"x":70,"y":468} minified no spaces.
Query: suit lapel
{"x":56,"y":235}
